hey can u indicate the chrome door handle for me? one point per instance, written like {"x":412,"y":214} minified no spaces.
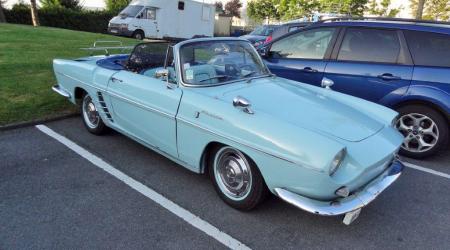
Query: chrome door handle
{"x":113,"y":79}
{"x":389,"y":77}
{"x":309,"y":70}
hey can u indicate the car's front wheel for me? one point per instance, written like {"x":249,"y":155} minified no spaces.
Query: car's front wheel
{"x":425,"y":131}
{"x":236,"y":178}
{"x":91,"y":117}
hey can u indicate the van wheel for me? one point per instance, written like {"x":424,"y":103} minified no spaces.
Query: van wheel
{"x":425,"y":131}
{"x":236,"y":178}
{"x":138,"y":34}
{"x":91,"y":118}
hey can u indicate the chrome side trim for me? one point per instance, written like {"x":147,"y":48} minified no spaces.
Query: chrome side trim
{"x":241,"y":143}
{"x":87,"y":84}
{"x":61,"y":91}
{"x":350,"y":203}
{"x":151,"y":109}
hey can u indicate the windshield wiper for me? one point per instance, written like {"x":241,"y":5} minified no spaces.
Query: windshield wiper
{"x":215,"y":77}
{"x":250,"y":73}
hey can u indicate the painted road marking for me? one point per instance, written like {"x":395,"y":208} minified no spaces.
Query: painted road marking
{"x":427,"y":170}
{"x":184,"y":214}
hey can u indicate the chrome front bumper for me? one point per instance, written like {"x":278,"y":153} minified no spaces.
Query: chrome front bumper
{"x":351,"y":203}
{"x":61,"y":91}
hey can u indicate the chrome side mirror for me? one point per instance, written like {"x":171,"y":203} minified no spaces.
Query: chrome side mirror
{"x":327,"y":83}
{"x":240,"y":101}
{"x":162,"y":73}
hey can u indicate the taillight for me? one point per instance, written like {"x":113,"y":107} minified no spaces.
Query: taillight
{"x":268,"y":39}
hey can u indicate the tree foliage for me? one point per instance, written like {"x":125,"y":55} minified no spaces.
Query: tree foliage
{"x":432,"y":10}
{"x":68,"y":4}
{"x":219,"y":7}
{"x":294,"y":9}
{"x":116,"y":6}
{"x":263,"y":9}
{"x":382,"y":8}
{"x":233,"y":7}
{"x":348,"y":7}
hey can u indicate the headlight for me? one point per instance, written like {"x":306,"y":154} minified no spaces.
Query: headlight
{"x":337,"y":160}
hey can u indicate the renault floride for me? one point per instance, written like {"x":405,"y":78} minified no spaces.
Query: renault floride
{"x":212,"y":106}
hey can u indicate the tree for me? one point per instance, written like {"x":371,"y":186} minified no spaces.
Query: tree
{"x":294,"y":9}
{"x":233,"y":8}
{"x":420,"y":5}
{"x":263,"y":9}
{"x":2,"y":14}
{"x":382,"y":8}
{"x":349,"y":7}
{"x":68,"y":4}
{"x":437,"y":10}
{"x":116,"y":6}
{"x":219,"y":7}
{"x":34,"y":13}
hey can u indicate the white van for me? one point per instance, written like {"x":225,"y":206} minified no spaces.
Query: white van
{"x":164,"y":19}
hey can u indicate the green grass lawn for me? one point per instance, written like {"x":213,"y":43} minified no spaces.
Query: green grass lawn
{"x":26,"y":74}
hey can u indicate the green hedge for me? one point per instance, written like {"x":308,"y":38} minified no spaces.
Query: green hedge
{"x":84,"y":20}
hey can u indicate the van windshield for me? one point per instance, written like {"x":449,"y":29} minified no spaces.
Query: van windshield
{"x":131,"y":11}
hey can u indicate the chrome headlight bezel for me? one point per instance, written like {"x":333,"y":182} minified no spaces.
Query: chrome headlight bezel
{"x":394,"y":121}
{"x":337,"y":161}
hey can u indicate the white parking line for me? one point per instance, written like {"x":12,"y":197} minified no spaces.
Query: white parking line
{"x":427,"y":170}
{"x":184,"y":214}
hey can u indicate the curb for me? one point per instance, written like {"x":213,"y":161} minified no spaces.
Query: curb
{"x":37,"y":121}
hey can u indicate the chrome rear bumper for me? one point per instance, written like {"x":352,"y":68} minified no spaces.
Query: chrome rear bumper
{"x":351,"y":203}
{"x":60,"y":91}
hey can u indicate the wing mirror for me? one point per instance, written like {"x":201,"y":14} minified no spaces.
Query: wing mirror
{"x":164,"y":75}
{"x":241,"y":102}
{"x":327,"y":83}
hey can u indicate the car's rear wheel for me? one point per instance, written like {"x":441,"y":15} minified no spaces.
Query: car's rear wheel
{"x":236,"y":178}
{"x":91,"y":118}
{"x":425,"y":131}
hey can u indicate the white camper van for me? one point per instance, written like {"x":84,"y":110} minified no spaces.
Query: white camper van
{"x":164,"y":19}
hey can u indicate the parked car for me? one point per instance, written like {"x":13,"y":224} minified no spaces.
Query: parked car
{"x":259,"y":36}
{"x":322,"y":151}
{"x":164,"y":19}
{"x":286,"y":28}
{"x":402,"y":64}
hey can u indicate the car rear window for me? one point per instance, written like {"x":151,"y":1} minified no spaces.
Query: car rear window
{"x":429,"y":49}
{"x":370,"y":45}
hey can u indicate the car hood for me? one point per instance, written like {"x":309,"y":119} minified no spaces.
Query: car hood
{"x":253,"y":38}
{"x":305,"y":108}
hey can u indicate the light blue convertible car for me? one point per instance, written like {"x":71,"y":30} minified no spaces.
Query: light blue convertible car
{"x":212,"y":106}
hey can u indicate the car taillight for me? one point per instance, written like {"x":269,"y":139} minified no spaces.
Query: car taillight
{"x":268,"y":39}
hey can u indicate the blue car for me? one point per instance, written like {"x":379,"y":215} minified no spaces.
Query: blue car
{"x":212,"y":106}
{"x":402,"y":64}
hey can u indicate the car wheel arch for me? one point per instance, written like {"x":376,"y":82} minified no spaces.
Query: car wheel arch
{"x":422,"y":102}
{"x":78,"y":94}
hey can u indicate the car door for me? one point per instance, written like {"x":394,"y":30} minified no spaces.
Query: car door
{"x":370,"y":63}
{"x":302,"y":55}
{"x":147,"y":22}
{"x":145,"y":107}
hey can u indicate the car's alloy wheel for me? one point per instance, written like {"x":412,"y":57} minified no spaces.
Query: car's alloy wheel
{"x":91,"y":117}
{"x":236,"y":178}
{"x":424,"y":130}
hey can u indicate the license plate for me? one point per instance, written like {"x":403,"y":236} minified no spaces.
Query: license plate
{"x":114,"y":31}
{"x":351,"y":216}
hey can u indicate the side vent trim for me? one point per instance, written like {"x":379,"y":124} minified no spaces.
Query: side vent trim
{"x":104,"y":108}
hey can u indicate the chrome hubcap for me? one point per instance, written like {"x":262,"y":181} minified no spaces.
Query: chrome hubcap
{"x":90,"y":113}
{"x":420,"y":131}
{"x":232,"y":173}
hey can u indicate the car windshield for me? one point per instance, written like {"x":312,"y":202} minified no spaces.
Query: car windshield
{"x":217,"y":62}
{"x":131,"y":10}
{"x":262,"y":31}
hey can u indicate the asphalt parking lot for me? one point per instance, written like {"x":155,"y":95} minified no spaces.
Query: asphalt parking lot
{"x":51,"y":197}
